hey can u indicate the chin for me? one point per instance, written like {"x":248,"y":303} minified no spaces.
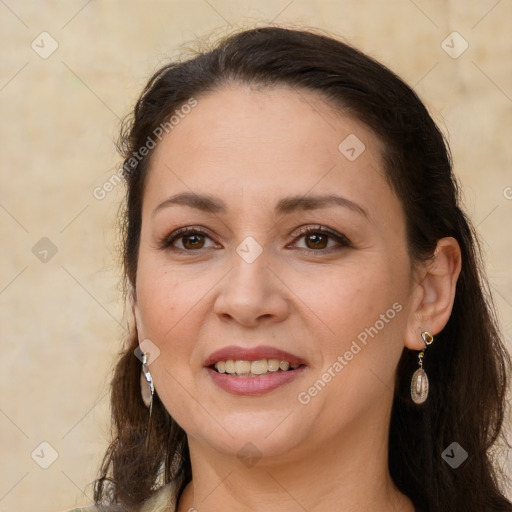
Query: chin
{"x":250,"y":435}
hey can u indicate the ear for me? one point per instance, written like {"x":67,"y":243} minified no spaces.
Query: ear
{"x":434,"y":293}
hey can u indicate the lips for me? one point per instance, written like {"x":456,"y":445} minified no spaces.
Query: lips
{"x":254,"y":386}
{"x":249,"y":384}
{"x":252,"y":354}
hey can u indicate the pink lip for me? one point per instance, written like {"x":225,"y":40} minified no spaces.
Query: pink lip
{"x":253,"y":385}
{"x":251,"y":354}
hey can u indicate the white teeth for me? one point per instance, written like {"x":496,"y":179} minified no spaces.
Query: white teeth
{"x":253,"y":368}
{"x":242,"y":367}
{"x":259,"y":367}
{"x":273,"y":365}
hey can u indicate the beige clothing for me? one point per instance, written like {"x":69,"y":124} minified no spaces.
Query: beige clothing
{"x":161,"y":501}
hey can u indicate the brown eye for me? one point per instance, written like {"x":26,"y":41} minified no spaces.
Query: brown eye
{"x":317,"y":240}
{"x":185,"y":240}
{"x":193,"y":241}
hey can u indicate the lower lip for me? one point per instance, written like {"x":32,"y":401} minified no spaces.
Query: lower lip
{"x":253,"y":385}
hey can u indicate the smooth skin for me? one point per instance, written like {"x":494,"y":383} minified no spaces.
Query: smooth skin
{"x":308,"y":294}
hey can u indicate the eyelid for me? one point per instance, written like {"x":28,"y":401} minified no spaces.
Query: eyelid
{"x":167,"y":241}
{"x":341,"y":239}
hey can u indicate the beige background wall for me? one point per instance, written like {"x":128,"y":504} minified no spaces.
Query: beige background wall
{"x":61,"y":319}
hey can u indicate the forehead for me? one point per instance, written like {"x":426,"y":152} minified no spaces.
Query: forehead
{"x":265,"y":141}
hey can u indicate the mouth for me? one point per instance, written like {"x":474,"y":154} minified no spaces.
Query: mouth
{"x":254,"y":371}
{"x":246,"y":368}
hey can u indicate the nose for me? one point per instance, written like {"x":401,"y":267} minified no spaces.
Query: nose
{"x":252,"y":293}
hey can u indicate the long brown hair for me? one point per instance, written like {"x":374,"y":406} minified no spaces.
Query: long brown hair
{"x":468,"y":365}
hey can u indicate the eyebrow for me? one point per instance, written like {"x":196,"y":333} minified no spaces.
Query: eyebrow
{"x":284,"y":206}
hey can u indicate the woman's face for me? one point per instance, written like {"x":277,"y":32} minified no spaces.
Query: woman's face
{"x":255,"y":176}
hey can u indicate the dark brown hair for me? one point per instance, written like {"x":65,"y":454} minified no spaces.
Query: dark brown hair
{"x":468,"y":365}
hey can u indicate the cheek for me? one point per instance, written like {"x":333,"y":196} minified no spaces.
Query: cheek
{"x":173,"y":303}
{"x":363,"y":308}
{"x":164,"y":301}
{"x":348,"y":299}
{"x":157,"y":305}
{"x":166,"y":293}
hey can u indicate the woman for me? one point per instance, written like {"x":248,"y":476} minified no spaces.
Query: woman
{"x":312,"y":328}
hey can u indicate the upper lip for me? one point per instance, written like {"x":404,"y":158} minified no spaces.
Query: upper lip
{"x":236,"y":352}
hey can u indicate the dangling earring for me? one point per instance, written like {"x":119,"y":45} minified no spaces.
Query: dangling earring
{"x":147,"y":390}
{"x":419,"y":382}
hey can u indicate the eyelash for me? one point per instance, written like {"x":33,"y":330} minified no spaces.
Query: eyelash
{"x":342,"y":240}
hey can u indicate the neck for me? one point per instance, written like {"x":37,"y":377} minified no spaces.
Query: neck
{"x":346,"y":474}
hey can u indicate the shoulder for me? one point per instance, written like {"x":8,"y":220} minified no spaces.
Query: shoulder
{"x":161,"y":501}
{"x":90,"y":508}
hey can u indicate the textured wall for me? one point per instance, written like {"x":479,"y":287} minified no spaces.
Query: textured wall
{"x":61,"y":316}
